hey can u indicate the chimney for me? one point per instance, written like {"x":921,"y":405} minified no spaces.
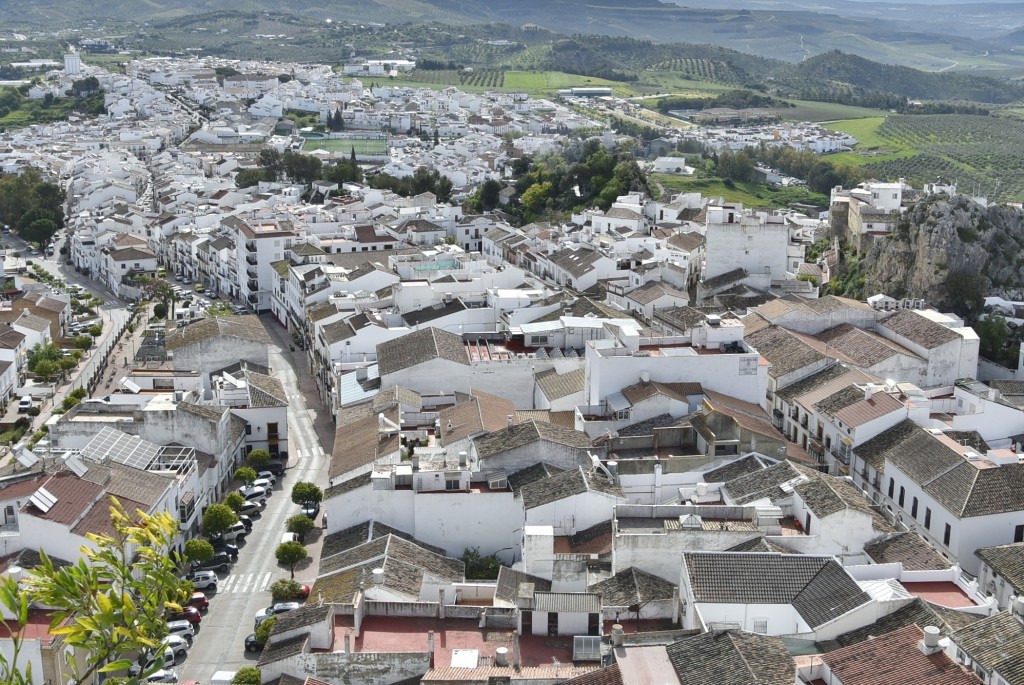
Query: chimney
{"x":378,"y":576}
{"x":501,"y":656}
{"x":430,"y":646}
{"x":645,"y":377}
{"x":510,"y":418}
{"x":463,"y":458}
{"x":869,"y":390}
{"x":930,"y":643}
{"x":348,"y":643}
{"x":613,"y":468}
{"x":618,"y":635}
{"x":993,"y":394}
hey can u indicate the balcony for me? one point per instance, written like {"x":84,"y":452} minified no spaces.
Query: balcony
{"x":253,"y":284}
{"x":250,"y":246}
{"x":253,"y":298}
{"x":251,"y":259}
{"x":841,"y":455}
{"x":803,"y":421}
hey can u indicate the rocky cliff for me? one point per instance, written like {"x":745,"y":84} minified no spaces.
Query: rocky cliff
{"x":950,"y":251}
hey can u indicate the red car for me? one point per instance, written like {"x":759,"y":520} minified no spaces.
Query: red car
{"x":198,"y":601}
{"x":188,"y":613}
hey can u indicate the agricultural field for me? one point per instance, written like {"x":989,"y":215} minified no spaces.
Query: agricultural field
{"x":807,"y":110}
{"x":483,"y":78}
{"x":982,"y":154}
{"x":700,"y":68}
{"x":362,"y":147}
{"x":749,"y":193}
{"x":546,"y":82}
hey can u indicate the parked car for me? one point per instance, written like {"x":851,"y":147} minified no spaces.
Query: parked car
{"x":136,"y":668}
{"x":267,"y":475}
{"x":203,"y":580}
{"x":237,"y":531}
{"x":198,"y":600}
{"x":218,"y":562}
{"x":266,"y":484}
{"x":275,"y":467}
{"x":182,"y":629}
{"x":279,"y":608}
{"x":245,"y":521}
{"x":178,"y":645}
{"x":289,"y":537}
{"x":165,"y":675}
{"x":227,"y":548}
{"x":252,"y":644}
{"x":253,"y":493}
{"x":251,"y":509}
{"x":311,"y":509}
{"x":187,"y":613}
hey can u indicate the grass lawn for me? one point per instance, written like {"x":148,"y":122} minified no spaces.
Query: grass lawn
{"x":549,"y":81}
{"x":871,"y":147}
{"x":362,"y":147}
{"x":750,"y":194}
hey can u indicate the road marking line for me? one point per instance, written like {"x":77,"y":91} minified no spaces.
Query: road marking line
{"x":226,"y":586}
{"x":265,"y":583}
{"x":243,"y":585}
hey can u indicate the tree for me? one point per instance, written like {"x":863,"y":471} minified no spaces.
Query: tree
{"x":82,"y":342}
{"x":198,"y":550}
{"x":285,"y":590}
{"x":47,"y":369}
{"x":263,"y":630}
{"x":247,"y":675}
{"x":159,"y":311}
{"x":16,"y":604}
{"x":301,"y":525}
{"x":40,"y":353}
{"x":479,"y":567}
{"x":289,"y":554}
{"x":306,"y":493}
{"x":235,"y":501}
{"x":272,"y":162}
{"x":114,"y":599}
{"x":67,"y":364}
{"x":258,"y":459}
{"x":217,"y":519}
{"x":489,"y":194}
{"x":95,"y":331}
{"x":246,"y":475}
{"x":993,"y":334}
{"x":536,"y":196}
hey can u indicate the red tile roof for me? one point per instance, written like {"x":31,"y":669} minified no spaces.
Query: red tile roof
{"x":895,"y":658}
{"x":74,"y":497}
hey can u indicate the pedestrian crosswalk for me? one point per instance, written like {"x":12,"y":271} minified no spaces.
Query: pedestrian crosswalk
{"x":244,"y":583}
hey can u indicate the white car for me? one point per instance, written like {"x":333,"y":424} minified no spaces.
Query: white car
{"x":165,"y":675}
{"x":267,"y":475}
{"x":182,"y":629}
{"x":279,"y":608}
{"x":253,"y":494}
{"x":136,"y":668}
{"x":177,"y":644}
{"x":266,"y":484}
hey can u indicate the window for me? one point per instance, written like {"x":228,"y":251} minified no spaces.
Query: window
{"x":1018,"y":534}
{"x":946,"y":534}
{"x":903,"y":493}
{"x":761,"y":625}
{"x":248,"y":429}
{"x":927,"y":518}
{"x":892,"y":487}
{"x":913,"y":508}
{"x":452,"y":483}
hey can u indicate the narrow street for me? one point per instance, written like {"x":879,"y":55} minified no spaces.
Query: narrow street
{"x":244,"y":590}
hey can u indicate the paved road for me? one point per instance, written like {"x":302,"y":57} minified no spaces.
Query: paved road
{"x":220,"y":645}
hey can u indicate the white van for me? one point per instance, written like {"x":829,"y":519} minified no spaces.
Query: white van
{"x":289,"y":537}
{"x":24,"y":404}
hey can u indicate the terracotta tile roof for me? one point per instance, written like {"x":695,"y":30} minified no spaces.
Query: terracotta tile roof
{"x":265,"y":391}
{"x":786,"y":351}
{"x":528,"y":433}
{"x":1006,"y":560}
{"x":74,"y":498}
{"x":817,"y":587}
{"x":760,"y":484}
{"x":632,"y":586}
{"x":276,"y":650}
{"x":481,"y":413}
{"x":916,"y":612}
{"x":739,"y":467}
{"x":761,"y":544}
{"x":394,"y":395}
{"x":995,"y":643}
{"x":602,"y":676}
{"x":909,"y":549}
{"x":747,"y":415}
{"x":517,"y":588}
{"x":918,"y":329}
{"x":567,"y":484}
{"x":732,"y":658}
{"x":419,"y":347}
{"x":860,"y":347}
{"x":556,"y":385}
{"x":247,"y":327}
{"x":362,"y":442}
{"x":902,"y":662}
{"x":531,"y":474}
